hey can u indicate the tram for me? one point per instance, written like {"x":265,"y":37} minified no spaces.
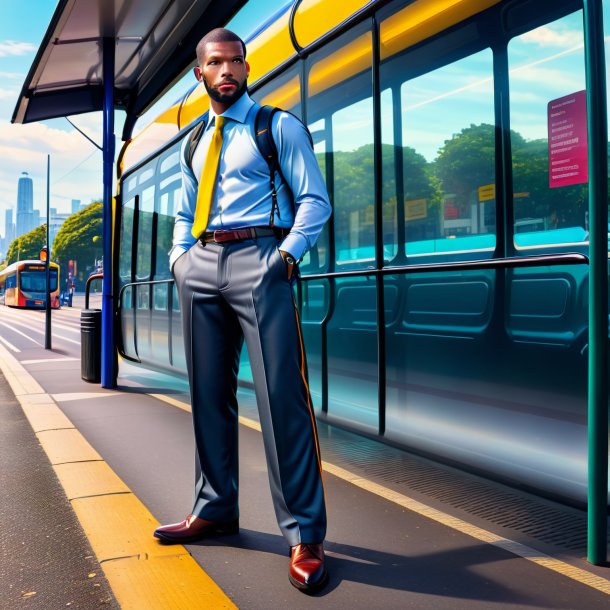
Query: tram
{"x":450,"y":134}
{"x":24,"y":284}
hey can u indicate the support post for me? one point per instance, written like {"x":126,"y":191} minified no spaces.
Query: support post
{"x":598,"y":282}
{"x":47,"y":327}
{"x":109,"y":367}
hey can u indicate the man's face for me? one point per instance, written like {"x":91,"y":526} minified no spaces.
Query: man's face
{"x":223,"y":71}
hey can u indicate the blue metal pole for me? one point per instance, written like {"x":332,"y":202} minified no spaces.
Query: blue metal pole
{"x":598,"y":281}
{"x":109,"y":369}
{"x":47,"y":328}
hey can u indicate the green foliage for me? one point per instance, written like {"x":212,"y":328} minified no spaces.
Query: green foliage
{"x":79,"y":239}
{"x":27,"y":246}
{"x":531,"y":174}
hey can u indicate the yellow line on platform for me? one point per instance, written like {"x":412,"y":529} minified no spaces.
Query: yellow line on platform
{"x":143,"y":574}
{"x":516,"y":548}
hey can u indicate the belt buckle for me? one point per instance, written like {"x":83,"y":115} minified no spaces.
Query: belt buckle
{"x":219,"y":233}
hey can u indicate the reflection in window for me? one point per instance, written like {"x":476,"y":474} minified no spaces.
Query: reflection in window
{"x":339,"y":89}
{"x":283,"y":92}
{"x":448,"y":156}
{"x":169,"y":189}
{"x":547,"y":64}
{"x":143,"y":297}
{"x":125,"y":270}
{"x":175,"y":299}
{"x":126,"y":300}
{"x":145,"y":231}
{"x":160,"y":294}
{"x":316,"y":260}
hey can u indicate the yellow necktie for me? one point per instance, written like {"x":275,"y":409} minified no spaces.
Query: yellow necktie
{"x":207,"y":181}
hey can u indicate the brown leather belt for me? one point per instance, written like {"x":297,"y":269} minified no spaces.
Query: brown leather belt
{"x":220,"y":236}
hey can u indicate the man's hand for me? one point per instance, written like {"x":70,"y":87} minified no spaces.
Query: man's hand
{"x":289,"y":260}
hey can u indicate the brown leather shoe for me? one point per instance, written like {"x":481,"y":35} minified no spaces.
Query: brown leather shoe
{"x":307,"y":570}
{"x":193,"y":529}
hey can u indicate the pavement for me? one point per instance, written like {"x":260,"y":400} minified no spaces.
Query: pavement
{"x":87,"y":474}
{"x":40,"y":534}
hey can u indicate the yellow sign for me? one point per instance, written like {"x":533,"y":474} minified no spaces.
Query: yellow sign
{"x":487,"y":192}
{"x":416,"y":209}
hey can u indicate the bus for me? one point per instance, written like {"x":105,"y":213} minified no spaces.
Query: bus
{"x":24,"y":284}
{"x":437,"y":317}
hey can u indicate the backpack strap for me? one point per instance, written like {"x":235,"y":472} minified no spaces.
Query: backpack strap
{"x":268,"y":149}
{"x":194,"y":138}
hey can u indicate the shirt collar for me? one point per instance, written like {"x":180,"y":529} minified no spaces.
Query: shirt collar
{"x":237,"y":112}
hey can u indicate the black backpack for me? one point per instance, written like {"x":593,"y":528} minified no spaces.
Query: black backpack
{"x":264,"y":142}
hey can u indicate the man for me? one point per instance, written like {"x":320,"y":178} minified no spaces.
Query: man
{"x":233,"y":260}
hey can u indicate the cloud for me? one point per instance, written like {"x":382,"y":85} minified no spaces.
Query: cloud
{"x":9,"y":94}
{"x":25,"y":148}
{"x":12,"y":75}
{"x":12,"y":48}
{"x":546,"y":36}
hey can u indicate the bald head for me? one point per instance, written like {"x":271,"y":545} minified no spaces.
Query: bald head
{"x":217,"y":35}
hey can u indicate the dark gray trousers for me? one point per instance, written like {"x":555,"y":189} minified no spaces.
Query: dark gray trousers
{"x":229,"y":292}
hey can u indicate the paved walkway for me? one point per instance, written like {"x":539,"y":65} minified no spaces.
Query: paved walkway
{"x":125,"y":461}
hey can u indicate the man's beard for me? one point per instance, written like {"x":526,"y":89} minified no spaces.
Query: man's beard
{"x":223,"y":98}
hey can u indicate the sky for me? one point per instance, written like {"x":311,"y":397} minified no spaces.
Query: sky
{"x":76,"y":165}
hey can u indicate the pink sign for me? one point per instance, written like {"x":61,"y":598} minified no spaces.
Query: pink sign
{"x":567,"y":121}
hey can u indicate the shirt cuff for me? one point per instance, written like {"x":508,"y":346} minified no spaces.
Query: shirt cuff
{"x":295,"y":244}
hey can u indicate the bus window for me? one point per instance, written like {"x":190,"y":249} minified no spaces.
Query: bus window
{"x":145,"y":231}
{"x":340,"y":94}
{"x":547,"y":65}
{"x":283,"y":91}
{"x":316,"y":259}
{"x":125,"y":262}
{"x":36,"y":281}
{"x":444,"y":142}
{"x":169,"y":188}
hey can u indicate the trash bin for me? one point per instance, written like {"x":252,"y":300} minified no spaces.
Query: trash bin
{"x":91,"y":345}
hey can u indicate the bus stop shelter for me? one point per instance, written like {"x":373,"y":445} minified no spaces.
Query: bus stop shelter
{"x":109,"y":54}
{"x":101,"y":55}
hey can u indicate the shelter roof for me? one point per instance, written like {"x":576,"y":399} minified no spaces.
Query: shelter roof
{"x":154,"y":44}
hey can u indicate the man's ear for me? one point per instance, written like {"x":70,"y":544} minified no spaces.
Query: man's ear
{"x":247,"y":68}
{"x":198,"y":74}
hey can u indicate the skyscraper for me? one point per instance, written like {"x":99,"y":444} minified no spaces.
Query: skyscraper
{"x":25,"y":205}
{"x":9,"y":227}
{"x":75,"y":206}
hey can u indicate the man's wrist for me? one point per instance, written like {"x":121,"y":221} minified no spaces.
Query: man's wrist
{"x":288,"y":258}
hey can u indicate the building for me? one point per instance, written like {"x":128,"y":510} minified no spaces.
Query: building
{"x":9,"y":233}
{"x":76,"y":207}
{"x":9,"y":226}
{"x":56,"y":221}
{"x":25,"y":205}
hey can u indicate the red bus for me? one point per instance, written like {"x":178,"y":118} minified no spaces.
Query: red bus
{"x":24,"y":284}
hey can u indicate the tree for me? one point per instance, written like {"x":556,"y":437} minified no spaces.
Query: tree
{"x":79,"y":240}
{"x":466,"y":161}
{"x":27,"y":246}
{"x":531,"y":175}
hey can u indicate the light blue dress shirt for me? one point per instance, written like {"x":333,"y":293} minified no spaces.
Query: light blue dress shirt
{"x":242,"y":196}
